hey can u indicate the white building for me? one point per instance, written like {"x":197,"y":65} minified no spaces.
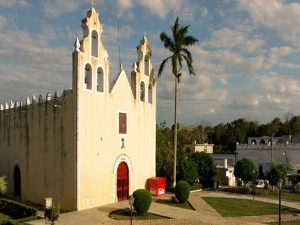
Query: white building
{"x":265,"y":150}
{"x":197,"y":147}
{"x":91,"y":146}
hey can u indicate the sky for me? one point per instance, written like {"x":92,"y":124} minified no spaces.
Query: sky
{"x":247,"y":59}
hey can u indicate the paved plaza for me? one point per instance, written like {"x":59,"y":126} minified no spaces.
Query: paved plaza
{"x":203,"y":214}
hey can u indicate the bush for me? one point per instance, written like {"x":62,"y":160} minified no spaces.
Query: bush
{"x":239,"y":190}
{"x":182,"y":191}
{"x":142,"y":201}
{"x":52,"y":213}
{"x":3,"y":185}
{"x":253,"y":191}
{"x":187,"y":170}
{"x":15,"y":209}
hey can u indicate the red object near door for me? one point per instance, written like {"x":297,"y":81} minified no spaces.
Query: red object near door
{"x":122,"y":182}
{"x":157,"y":185}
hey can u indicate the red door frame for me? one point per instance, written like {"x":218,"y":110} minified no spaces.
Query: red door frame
{"x":122,"y":181}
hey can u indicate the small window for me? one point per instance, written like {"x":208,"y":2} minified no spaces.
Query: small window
{"x":142,"y":94}
{"x":150,"y":94}
{"x":146,"y":66}
{"x":122,"y":123}
{"x":95,"y":43}
{"x":88,"y":77}
{"x":100,"y":80}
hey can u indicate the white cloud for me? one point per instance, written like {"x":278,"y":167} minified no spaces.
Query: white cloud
{"x":276,"y":53}
{"x":244,"y":101}
{"x":124,"y":4}
{"x":162,"y":7}
{"x":203,"y":11}
{"x":7,"y":3}
{"x":228,"y":38}
{"x":278,"y":85}
{"x":277,"y":15}
{"x":13,"y":3}
{"x":56,"y":8}
{"x":3,"y":22}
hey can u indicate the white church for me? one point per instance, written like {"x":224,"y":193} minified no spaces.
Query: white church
{"x":90,"y":146}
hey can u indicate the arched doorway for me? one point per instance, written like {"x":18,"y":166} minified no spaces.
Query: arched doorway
{"x":17,"y":181}
{"x":122,"y":181}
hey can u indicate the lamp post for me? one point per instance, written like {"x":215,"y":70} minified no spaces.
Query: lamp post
{"x":131,"y":202}
{"x":279,"y":205}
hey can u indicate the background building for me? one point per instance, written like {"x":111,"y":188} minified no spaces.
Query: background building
{"x":264,"y":151}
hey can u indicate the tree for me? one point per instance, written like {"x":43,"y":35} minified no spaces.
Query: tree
{"x":177,"y":45}
{"x":276,"y":173}
{"x":205,"y":164}
{"x":3,"y":185}
{"x":245,"y":169}
{"x":164,"y":153}
{"x":187,"y":170}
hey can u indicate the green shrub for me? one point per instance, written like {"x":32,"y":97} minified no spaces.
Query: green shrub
{"x":253,"y":191}
{"x":244,"y":190}
{"x":52,"y":213}
{"x":142,"y":201}
{"x":11,"y":222}
{"x":182,"y":191}
{"x":15,"y":209}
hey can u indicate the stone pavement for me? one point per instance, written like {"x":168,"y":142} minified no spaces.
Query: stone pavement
{"x":203,"y":215}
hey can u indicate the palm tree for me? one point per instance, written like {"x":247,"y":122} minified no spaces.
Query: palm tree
{"x":177,"y":45}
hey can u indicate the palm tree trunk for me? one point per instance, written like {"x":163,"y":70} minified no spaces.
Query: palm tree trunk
{"x":175,"y":129}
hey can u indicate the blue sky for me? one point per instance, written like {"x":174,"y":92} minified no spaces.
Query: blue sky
{"x":247,"y":59}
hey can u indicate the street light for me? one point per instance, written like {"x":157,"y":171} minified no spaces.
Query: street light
{"x":279,"y":205}
{"x":131,"y":202}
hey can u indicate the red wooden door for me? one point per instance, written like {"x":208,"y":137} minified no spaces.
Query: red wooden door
{"x":122,"y":182}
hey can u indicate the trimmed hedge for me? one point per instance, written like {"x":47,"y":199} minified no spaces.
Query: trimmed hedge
{"x":142,"y":201}
{"x":182,"y":191}
{"x":19,"y":221}
{"x":239,"y":190}
{"x":16,"y":210}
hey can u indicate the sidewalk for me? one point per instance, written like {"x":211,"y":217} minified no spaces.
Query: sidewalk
{"x":204,"y":214}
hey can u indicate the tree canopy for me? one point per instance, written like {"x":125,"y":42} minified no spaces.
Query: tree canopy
{"x":276,"y":173}
{"x":245,"y":169}
{"x":205,"y":164}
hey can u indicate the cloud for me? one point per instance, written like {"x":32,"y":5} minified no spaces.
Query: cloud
{"x":245,"y":101}
{"x":13,"y":3}
{"x":276,"y":84}
{"x":56,"y":8}
{"x":276,"y":53}
{"x":124,"y":5}
{"x":228,"y":38}
{"x":7,"y":3}
{"x":161,"y":7}
{"x":30,"y":65}
{"x":278,"y":15}
{"x":3,"y":22}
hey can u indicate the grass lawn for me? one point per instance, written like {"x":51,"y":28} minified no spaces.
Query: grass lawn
{"x":274,"y":194}
{"x":124,"y":214}
{"x":269,"y":194}
{"x":231,"y":207}
{"x":185,"y":205}
{"x":3,"y":217}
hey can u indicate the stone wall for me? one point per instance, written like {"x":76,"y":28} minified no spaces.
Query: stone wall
{"x":38,"y":136}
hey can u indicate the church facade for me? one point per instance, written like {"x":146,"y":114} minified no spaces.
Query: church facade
{"x":94,"y":144}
